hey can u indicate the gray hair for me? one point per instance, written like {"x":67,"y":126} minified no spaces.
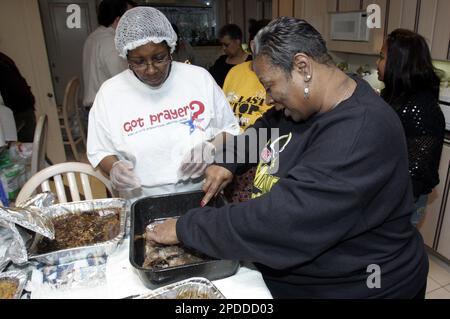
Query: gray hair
{"x":284,"y":37}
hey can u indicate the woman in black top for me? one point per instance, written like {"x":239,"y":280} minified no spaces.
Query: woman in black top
{"x":412,"y":89}
{"x":18,"y":97}
{"x":230,"y":36}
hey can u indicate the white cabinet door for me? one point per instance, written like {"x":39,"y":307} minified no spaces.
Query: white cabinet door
{"x":443,"y":246}
{"x":402,"y":14}
{"x":429,"y":227}
{"x":434,"y":25}
{"x":349,"y":5}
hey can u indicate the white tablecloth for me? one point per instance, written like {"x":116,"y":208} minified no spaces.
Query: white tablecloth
{"x":123,"y":281}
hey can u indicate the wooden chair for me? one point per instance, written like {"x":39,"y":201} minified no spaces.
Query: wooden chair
{"x":39,"y":145}
{"x":70,"y":118}
{"x":56,"y":173}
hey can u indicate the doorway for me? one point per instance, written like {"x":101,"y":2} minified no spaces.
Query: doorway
{"x":65,"y":37}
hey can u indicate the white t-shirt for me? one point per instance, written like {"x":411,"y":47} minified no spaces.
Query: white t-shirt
{"x":154,"y":128}
{"x":101,"y":61}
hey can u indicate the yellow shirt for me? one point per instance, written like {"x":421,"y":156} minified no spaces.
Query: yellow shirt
{"x":245,"y":94}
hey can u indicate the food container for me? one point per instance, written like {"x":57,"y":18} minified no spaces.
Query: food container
{"x":147,"y":210}
{"x":194,"y":288}
{"x":72,"y":254}
{"x":12,"y":284}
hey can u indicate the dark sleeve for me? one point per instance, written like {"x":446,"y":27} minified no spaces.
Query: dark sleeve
{"x":14,"y":89}
{"x":256,"y":230}
{"x":320,"y":203}
{"x":242,"y":152}
{"x":424,"y":129}
{"x":219,"y":70}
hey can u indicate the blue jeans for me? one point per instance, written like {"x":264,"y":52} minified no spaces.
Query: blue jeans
{"x":419,"y":211}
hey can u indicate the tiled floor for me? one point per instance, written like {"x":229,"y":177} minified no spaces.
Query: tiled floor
{"x":438,"y":286}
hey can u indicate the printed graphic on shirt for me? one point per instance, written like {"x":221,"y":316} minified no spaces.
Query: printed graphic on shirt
{"x":268,"y":166}
{"x":247,"y":110}
{"x":189,"y":115}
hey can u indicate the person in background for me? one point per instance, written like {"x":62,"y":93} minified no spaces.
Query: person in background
{"x":146,"y":120}
{"x":8,"y":130}
{"x":230,"y":36}
{"x":184,"y":52}
{"x":100,"y":58}
{"x":332,"y":201}
{"x":247,"y":99}
{"x":412,"y":89}
{"x":17,"y":96}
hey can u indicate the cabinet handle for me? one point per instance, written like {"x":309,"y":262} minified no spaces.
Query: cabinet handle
{"x":49,"y":95}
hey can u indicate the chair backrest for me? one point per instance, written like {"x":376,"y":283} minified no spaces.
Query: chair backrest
{"x":70,"y":108}
{"x":57,"y":172}
{"x":39,"y":145}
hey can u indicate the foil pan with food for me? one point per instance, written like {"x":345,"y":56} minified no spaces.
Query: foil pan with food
{"x":82,"y":230}
{"x":193,"y":288}
{"x":12,"y":284}
{"x":159,"y":265}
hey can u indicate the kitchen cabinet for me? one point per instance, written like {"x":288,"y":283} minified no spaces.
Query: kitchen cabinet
{"x":281,"y":8}
{"x":434,"y":25}
{"x":376,"y":38}
{"x":428,"y":18}
{"x":315,"y":12}
{"x":435,"y":227}
{"x":349,"y":5}
{"x":403,"y":14}
{"x":443,"y":246}
{"x":345,"y":5}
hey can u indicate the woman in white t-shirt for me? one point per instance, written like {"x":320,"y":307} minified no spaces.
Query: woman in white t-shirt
{"x":146,"y":121}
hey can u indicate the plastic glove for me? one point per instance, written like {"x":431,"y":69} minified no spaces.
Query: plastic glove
{"x":196,"y":161}
{"x":122,"y":176}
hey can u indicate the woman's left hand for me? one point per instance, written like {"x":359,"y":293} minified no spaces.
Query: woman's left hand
{"x":164,"y":233}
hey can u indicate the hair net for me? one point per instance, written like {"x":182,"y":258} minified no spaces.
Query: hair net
{"x":142,"y":25}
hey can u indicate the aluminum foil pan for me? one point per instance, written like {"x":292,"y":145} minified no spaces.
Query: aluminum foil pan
{"x":79,"y":253}
{"x":12,"y":244}
{"x":193,"y":288}
{"x":30,"y":218}
{"x":16,"y":279}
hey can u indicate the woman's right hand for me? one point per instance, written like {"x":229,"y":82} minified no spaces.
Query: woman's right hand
{"x":123,"y":177}
{"x":216,"y":179}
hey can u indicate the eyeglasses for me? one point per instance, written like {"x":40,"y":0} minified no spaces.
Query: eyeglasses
{"x":156,"y":62}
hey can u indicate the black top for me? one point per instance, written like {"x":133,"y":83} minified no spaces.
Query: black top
{"x":424,"y":125}
{"x":333,"y":200}
{"x":14,"y":88}
{"x":221,"y":68}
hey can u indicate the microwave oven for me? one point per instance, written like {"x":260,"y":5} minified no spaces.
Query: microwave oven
{"x":349,"y":26}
